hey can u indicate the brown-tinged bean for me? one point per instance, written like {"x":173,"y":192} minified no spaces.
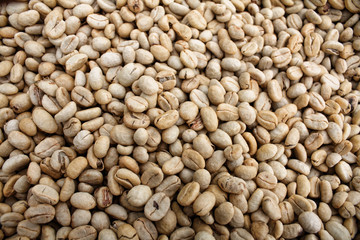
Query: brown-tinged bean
{"x":40,"y":214}
{"x":85,"y":232}
{"x":126,"y":231}
{"x":209,"y":118}
{"x":188,"y":194}
{"x":167,"y":119}
{"x":76,"y":167}
{"x":192,"y":159}
{"x":231,"y":184}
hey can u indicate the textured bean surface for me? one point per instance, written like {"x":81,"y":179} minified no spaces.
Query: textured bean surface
{"x":179,"y":119}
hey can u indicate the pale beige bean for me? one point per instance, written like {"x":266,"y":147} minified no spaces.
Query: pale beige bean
{"x":337,"y":231}
{"x":310,"y":222}
{"x":66,"y":113}
{"x":85,"y":231}
{"x":204,"y":203}
{"x":271,"y":208}
{"x":82,"y":200}
{"x":44,"y":121}
{"x":47,"y":146}
{"x":40,"y":214}
{"x":157,"y":206}
{"x":139,"y":195}
{"x":15,"y":163}
{"x":34,"y":49}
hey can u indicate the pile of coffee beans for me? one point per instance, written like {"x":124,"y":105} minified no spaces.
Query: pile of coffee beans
{"x":180,"y":119}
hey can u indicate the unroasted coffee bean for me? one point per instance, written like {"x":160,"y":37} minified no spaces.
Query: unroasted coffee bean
{"x":192,"y":159}
{"x":84,"y":231}
{"x":337,"y":231}
{"x":44,"y":121}
{"x":300,"y":204}
{"x":169,"y":186}
{"x":83,"y":200}
{"x":167,"y":119}
{"x":126,"y":231}
{"x":188,"y":193}
{"x":292,"y":230}
{"x":103,"y":197}
{"x":173,"y":166}
{"x":28,"y":229}
{"x":82,"y":96}
{"x":152,"y":177}
{"x":139,"y":195}
{"x":116,"y":211}
{"x":183,"y":233}
{"x":167,"y":224}
{"x":224,"y":213}
{"x":204,"y":203}
{"x":19,"y":140}
{"x":11,"y":219}
{"x":266,"y":180}
{"x":157,"y":206}
{"x":271,"y":208}
{"x":76,"y":166}
{"x":147,"y":119}
{"x":107,"y":234}
{"x":45,"y":194}
{"x":40,"y":214}
{"x":209,"y":118}
{"x":231,"y":184}
{"x":267,"y":119}
{"x":14,"y":163}
{"x":310,"y":222}
{"x":126,"y":178}
{"x":145,"y":229}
